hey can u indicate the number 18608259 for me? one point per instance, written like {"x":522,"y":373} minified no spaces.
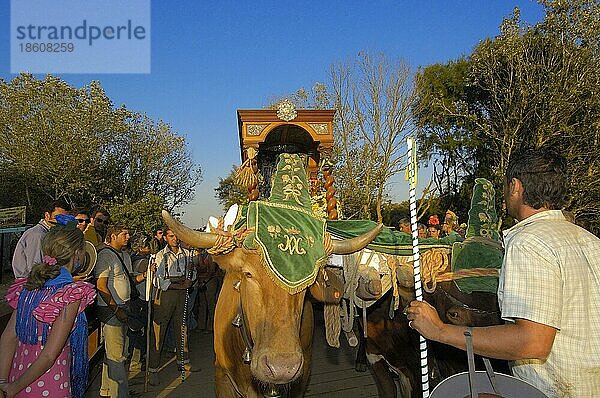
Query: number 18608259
{"x":47,"y":47}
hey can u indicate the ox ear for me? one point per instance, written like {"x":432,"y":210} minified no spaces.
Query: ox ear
{"x":327,"y":291}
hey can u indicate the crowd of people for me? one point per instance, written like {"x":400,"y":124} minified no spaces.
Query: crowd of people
{"x":43,"y":350}
{"x":548,"y":290}
{"x":433,"y":228}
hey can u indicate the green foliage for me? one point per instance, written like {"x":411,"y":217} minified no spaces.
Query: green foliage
{"x":58,"y":141}
{"x":229,"y":193}
{"x":318,"y":97}
{"x":394,"y":212}
{"x":140,"y":216}
{"x":528,"y":87}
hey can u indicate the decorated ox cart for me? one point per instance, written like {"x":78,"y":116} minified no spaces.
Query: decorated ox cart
{"x":275,"y":249}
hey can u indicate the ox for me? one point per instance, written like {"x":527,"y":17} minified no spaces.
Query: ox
{"x":391,"y":346}
{"x":275,"y":327}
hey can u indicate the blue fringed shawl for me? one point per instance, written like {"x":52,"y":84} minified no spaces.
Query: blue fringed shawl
{"x":28,"y":329}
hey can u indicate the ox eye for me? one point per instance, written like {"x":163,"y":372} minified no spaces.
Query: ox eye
{"x":247,"y":274}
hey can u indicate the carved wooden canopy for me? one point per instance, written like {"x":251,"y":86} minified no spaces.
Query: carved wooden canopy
{"x":265,"y":133}
{"x":257,"y":125}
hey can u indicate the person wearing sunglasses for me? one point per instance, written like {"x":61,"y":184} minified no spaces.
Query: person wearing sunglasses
{"x":83,"y":219}
{"x":96,"y":229}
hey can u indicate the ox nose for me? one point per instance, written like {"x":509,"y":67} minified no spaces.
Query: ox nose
{"x":282,"y":368}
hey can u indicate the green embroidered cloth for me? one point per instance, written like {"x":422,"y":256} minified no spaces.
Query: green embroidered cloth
{"x":290,"y":241}
{"x":481,"y":248}
{"x":286,"y":233}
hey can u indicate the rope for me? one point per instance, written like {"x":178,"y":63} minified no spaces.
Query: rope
{"x":333,"y":324}
{"x":434,"y":262}
{"x":327,"y":244}
{"x":392,"y":264}
{"x":351,"y":263}
{"x":227,"y":240}
{"x":435,"y":268}
{"x":332,"y":312}
{"x":467,"y":273}
{"x":412,"y":178}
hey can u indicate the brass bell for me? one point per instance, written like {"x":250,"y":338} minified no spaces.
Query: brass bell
{"x":272,"y":391}
{"x":237,"y":321}
{"x":247,"y":357}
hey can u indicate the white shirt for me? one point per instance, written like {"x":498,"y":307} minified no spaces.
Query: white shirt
{"x":172,"y":265}
{"x":551,"y":275}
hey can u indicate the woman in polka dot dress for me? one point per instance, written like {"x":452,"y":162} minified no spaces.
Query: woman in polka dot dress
{"x":43,"y":350}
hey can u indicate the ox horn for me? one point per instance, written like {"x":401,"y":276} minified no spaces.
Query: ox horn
{"x":200,"y":240}
{"x":348,"y":246}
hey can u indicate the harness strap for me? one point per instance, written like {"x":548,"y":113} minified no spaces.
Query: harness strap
{"x":471,"y":359}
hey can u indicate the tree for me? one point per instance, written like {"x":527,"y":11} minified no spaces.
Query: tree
{"x":229,"y":193}
{"x":50,"y":133}
{"x":57,"y":141}
{"x":373,"y":97}
{"x":157,"y":160}
{"x":139,"y":216}
{"x":530,"y":86}
{"x":445,"y":138}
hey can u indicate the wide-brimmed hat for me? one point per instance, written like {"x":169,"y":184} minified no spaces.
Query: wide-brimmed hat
{"x":91,"y":256}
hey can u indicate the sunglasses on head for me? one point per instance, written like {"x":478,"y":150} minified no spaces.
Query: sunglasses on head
{"x":83,"y":220}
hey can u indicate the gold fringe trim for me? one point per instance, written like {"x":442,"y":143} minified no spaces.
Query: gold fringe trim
{"x":310,"y":279}
{"x":291,"y":289}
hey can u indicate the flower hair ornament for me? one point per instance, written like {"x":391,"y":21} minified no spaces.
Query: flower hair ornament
{"x":433,"y":220}
{"x":49,"y":260}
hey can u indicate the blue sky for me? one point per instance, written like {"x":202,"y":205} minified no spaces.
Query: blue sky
{"x":211,"y":58}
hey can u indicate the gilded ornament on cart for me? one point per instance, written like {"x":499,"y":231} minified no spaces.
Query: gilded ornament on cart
{"x":286,"y":110}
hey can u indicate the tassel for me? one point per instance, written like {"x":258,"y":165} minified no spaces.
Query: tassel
{"x":79,"y":357}
{"x":245,"y":176}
